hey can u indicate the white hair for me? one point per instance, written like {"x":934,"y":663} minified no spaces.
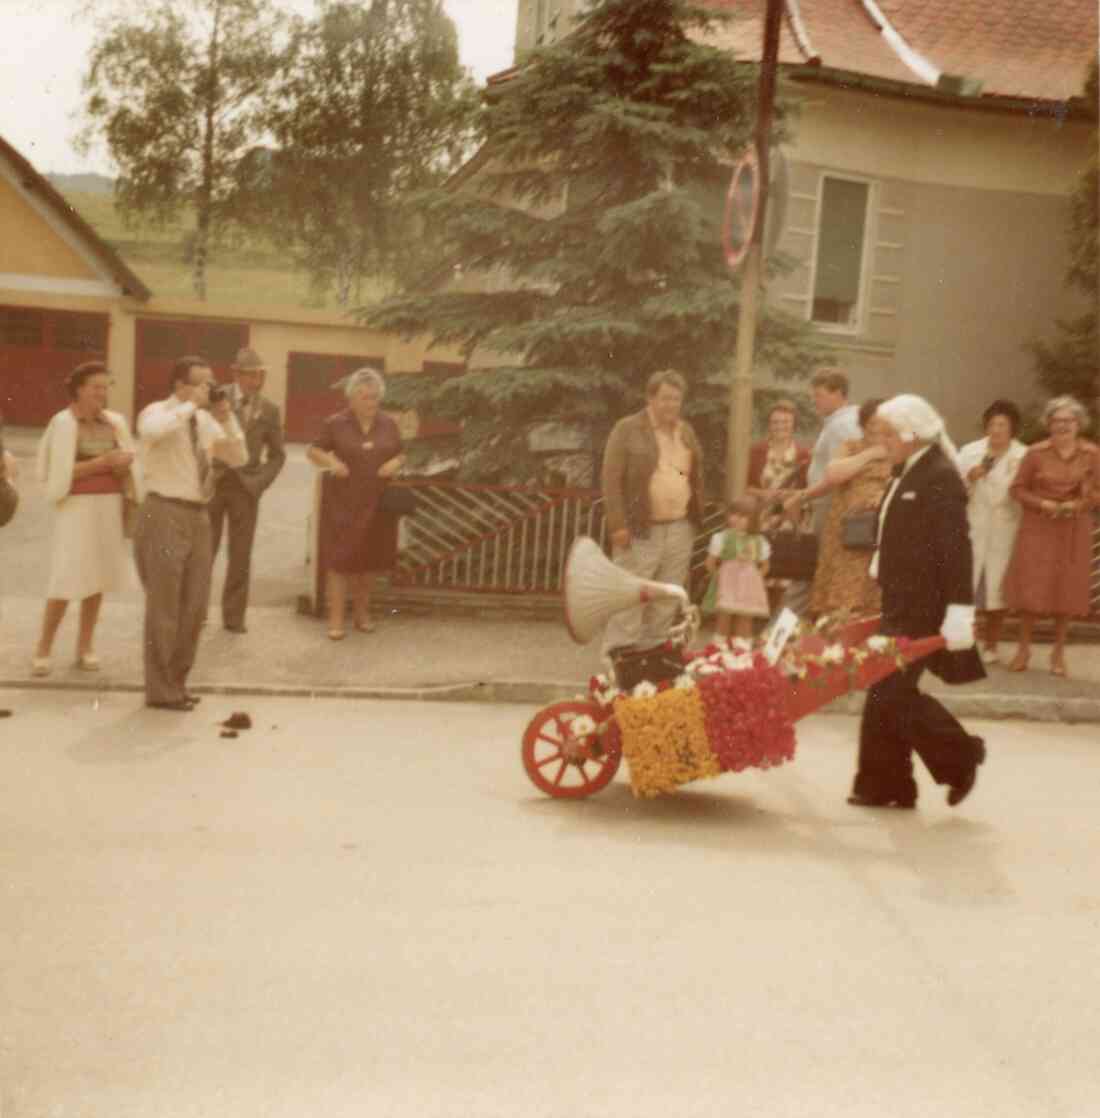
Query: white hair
{"x":365,"y":377}
{"x":914,"y":418}
{"x":1066,"y":403}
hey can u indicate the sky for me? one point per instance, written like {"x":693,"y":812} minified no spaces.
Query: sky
{"x":44,"y":44}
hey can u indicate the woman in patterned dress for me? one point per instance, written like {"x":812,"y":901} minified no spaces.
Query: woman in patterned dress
{"x":858,"y":477}
{"x":777,"y":467}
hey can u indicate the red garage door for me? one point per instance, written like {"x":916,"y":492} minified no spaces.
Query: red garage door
{"x":310,"y":396}
{"x":38,"y":349}
{"x":161,"y":341}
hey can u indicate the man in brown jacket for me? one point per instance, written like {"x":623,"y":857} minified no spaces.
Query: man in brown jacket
{"x":653,"y":499}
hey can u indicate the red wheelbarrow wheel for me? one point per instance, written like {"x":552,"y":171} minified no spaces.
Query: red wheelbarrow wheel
{"x":566,"y":764}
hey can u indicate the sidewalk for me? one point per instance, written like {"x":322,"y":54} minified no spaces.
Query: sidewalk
{"x":532,"y":662}
{"x":410,"y":655}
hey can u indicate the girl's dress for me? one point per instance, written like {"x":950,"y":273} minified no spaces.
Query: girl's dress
{"x":737,"y":586}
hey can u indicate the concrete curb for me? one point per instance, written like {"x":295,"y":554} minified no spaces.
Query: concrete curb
{"x":979,"y":705}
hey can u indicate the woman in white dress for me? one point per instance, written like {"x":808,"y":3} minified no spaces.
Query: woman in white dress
{"x":86,"y":460}
{"x":988,"y":467}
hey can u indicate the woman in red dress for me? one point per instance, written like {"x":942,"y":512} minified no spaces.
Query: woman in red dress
{"x":1058,"y":485}
{"x":359,"y":449}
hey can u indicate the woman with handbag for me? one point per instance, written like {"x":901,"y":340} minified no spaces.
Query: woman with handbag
{"x":86,"y":460}
{"x":777,"y":467}
{"x":1058,"y":485}
{"x":857,"y":477}
{"x":359,"y":450}
{"x":988,"y":467}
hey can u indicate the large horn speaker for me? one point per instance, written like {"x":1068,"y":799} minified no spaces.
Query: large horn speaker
{"x":595,"y":589}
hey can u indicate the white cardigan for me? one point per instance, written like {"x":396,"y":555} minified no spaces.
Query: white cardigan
{"x":994,"y":515}
{"x":57,"y":454}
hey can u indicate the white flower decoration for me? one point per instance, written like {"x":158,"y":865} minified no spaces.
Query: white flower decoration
{"x":740,"y":644}
{"x":878,"y":643}
{"x":834,"y":654}
{"x":583,"y":725}
{"x":684,"y":682}
{"x":708,"y":669}
{"x":644,"y":690}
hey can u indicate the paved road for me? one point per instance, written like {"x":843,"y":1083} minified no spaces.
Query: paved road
{"x":365,"y":909}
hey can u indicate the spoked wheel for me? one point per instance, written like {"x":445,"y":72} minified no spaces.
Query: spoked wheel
{"x":567,"y":763}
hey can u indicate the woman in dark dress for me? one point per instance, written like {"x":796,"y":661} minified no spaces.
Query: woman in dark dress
{"x":359,"y":449}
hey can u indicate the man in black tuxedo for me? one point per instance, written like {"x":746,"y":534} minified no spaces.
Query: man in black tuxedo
{"x":237,"y":492}
{"x":924,"y":565}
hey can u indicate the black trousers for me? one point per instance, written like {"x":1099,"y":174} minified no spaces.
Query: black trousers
{"x":900,"y":720}
{"x":234,"y":507}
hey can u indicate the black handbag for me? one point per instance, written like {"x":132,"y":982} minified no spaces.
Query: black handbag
{"x":793,"y":557}
{"x":859,"y":530}
{"x":398,"y":500}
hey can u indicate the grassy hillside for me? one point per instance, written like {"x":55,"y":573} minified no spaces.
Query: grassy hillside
{"x":255,"y":272}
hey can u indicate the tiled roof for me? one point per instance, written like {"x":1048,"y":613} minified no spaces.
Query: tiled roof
{"x":1018,"y":49}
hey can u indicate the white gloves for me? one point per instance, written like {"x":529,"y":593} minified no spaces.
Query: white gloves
{"x":958,"y":628}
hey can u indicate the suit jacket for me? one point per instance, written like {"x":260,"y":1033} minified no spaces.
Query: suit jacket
{"x":925,"y":559}
{"x":264,"y":439}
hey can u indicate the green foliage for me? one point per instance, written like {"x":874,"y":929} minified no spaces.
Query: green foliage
{"x":580,"y":251}
{"x":372,"y":106}
{"x":1069,"y":364}
{"x":174,"y":89}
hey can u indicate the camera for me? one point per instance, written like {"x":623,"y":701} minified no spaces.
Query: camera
{"x":218,"y":392}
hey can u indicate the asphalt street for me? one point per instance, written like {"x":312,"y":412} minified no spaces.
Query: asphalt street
{"x":362,"y":908}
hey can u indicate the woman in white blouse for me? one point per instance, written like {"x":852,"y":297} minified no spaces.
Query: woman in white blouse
{"x":988,"y":467}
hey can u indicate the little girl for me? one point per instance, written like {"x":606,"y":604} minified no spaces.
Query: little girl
{"x":738,"y":560}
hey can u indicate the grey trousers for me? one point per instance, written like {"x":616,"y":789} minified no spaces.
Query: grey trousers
{"x":233,"y":506}
{"x":664,"y":555}
{"x":172,"y":552}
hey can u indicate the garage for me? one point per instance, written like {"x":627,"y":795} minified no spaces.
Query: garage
{"x":39,"y":347}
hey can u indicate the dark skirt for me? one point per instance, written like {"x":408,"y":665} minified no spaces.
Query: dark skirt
{"x":356,"y":536}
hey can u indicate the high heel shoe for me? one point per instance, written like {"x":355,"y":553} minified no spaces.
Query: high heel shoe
{"x":1057,"y":665}
{"x":1019,"y":662}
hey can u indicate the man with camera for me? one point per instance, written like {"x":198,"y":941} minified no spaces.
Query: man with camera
{"x":180,"y":438}
{"x":236,"y":500}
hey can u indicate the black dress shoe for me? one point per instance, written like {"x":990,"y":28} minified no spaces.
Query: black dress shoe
{"x":962,"y":788}
{"x":235,"y":628}
{"x":172,"y":704}
{"x":194,"y":700}
{"x":856,"y":800}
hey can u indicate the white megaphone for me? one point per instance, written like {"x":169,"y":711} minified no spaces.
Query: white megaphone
{"x":594,"y":589}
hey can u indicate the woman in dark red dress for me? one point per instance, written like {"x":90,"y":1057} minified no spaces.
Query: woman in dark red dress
{"x":359,"y":449}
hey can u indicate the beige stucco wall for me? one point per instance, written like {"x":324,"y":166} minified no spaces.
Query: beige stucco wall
{"x":966,"y":249}
{"x":29,"y":245}
{"x":275,"y":333}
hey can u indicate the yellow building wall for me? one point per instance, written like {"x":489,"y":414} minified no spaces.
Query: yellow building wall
{"x":29,"y":246}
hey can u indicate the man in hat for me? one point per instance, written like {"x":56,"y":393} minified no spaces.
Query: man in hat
{"x":923,"y":563}
{"x":237,"y":492}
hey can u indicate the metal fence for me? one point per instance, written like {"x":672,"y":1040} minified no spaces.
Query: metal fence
{"x":514,"y":540}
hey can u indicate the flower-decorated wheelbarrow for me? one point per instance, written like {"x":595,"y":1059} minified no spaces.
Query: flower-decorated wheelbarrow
{"x":697,"y":714}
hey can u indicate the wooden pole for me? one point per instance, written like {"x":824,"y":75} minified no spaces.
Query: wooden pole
{"x":739,"y":422}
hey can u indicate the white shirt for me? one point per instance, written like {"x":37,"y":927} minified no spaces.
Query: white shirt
{"x":910,"y":462}
{"x":718,"y":542}
{"x":171,"y":468}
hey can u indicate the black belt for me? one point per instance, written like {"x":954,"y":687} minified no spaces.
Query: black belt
{"x":179,"y":501}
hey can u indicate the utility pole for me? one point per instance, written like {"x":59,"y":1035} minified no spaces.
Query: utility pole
{"x":739,"y":421}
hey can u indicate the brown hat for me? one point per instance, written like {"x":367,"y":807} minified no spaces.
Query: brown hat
{"x":248,"y":360}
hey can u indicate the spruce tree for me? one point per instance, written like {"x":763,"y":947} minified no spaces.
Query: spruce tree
{"x":581,"y":253}
{"x":1071,"y":363}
